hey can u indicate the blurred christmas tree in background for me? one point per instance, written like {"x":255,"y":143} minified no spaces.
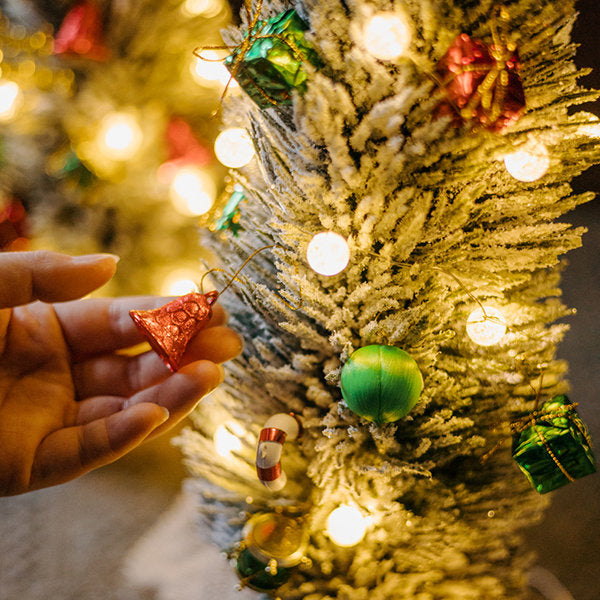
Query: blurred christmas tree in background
{"x":107,"y":132}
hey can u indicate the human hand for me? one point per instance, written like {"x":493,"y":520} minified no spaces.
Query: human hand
{"x":69,"y":401}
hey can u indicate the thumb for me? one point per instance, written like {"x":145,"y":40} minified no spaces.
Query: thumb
{"x":50,"y":276}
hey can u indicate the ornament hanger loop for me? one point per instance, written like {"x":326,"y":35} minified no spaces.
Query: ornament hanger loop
{"x":234,"y":277}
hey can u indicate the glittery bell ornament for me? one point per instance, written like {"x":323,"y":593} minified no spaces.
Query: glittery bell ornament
{"x":268,"y":64}
{"x":272,"y":544}
{"x":552,"y":446}
{"x":81,"y":33}
{"x":480,"y":83}
{"x":170,"y":328}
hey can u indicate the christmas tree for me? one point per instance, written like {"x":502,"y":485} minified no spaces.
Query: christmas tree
{"x":434,"y":143}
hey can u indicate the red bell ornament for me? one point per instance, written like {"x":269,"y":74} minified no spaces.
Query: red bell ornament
{"x":480,"y":83}
{"x":170,"y":328}
{"x":81,"y":33}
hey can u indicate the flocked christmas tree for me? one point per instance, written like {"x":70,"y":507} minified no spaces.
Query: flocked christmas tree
{"x":434,"y":142}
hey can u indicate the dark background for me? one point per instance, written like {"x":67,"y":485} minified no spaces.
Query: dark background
{"x":568,"y":540}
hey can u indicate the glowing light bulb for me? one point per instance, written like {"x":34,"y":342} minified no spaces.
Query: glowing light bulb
{"x":234,"y":147}
{"x":210,"y":70}
{"x":192,"y":191}
{"x":591,"y":129}
{"x":227,"y":442}
{"x":346,"y":525}
{"x":120,"y":136}
{"x":486,"y":328}
{"x":387,"y":35}
{"x":328,"y":253}
{"x":179,"y":282}
{"x":202,"y":8}
{"x":528,"y":163}
{"x":10,"y":97}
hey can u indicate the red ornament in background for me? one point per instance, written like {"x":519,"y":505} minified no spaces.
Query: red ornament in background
{"x":184,"y":149}
{"x":81,"y":33}
{"x":170,"y":328}
{"x":13,"y":226}
{"x":481,"y":84}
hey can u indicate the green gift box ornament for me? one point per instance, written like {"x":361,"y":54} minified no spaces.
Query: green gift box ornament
{"x":552,"y":446}
{"x":268,"y":64}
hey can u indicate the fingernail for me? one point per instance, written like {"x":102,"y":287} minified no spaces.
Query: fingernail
{"x":166,"y":412}
{"x":94,"y":258}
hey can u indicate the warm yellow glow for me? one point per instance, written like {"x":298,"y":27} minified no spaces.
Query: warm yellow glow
{"x":202,"y":8}
{"x":227,"y":439}
{"x":179,"y":282}
{"x":10,"y":95}
{"x":234,"y":147}
{"x":528,"y":163}
{"x":591,"y":129}
{"x":120,"y":136}
{"x":328,"y":253}
{"x":486,"y":329}
{"x":210,"y":70}
{"x":193,"y":191}
{"x":346,"y":525}
{"x":387,"y":35}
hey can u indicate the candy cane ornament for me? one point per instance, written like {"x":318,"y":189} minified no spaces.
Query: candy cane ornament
{"x":278,"y":428}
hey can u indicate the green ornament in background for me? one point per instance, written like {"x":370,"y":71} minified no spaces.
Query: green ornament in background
{"x":381,"y":383}
{"x":271,"y":67}
{"x":553,"y":447}
{"x":230,"y":218}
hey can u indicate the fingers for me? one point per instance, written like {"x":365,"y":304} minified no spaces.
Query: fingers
{"x":50,"y":276}
{"x":101,"y":325}
{"x":180,"y":392}
{"x":120,"y":375}
{"x":71,"y":452}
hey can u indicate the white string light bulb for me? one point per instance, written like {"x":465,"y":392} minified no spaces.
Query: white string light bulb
{"x":10,"y":96}
{"x":202,"y":8}
{"x":387,"y":35}
{"x":120,"y":136}
{"x":328,"y":253}
{"x":234,"y":147}
{"x":486,"y":326}
{"x":346,"y":526}
{"x":209,"y":70}
{"x":227,"y":439}
{"x":192,"y":191}
{"x":528,"y":163}
{"x":179,"y":282}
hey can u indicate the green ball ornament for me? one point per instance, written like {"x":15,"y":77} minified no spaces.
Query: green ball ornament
{"x":381,"y":383}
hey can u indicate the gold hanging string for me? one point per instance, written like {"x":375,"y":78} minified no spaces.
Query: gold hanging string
{"x":234,"y":277}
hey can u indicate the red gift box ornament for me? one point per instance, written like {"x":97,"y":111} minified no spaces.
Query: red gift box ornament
{"x":170,"y":328}
{"x":480,"y":83}
{"x":81,"y":33}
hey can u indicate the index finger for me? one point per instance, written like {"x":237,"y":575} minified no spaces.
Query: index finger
{"x":100,"y":325}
